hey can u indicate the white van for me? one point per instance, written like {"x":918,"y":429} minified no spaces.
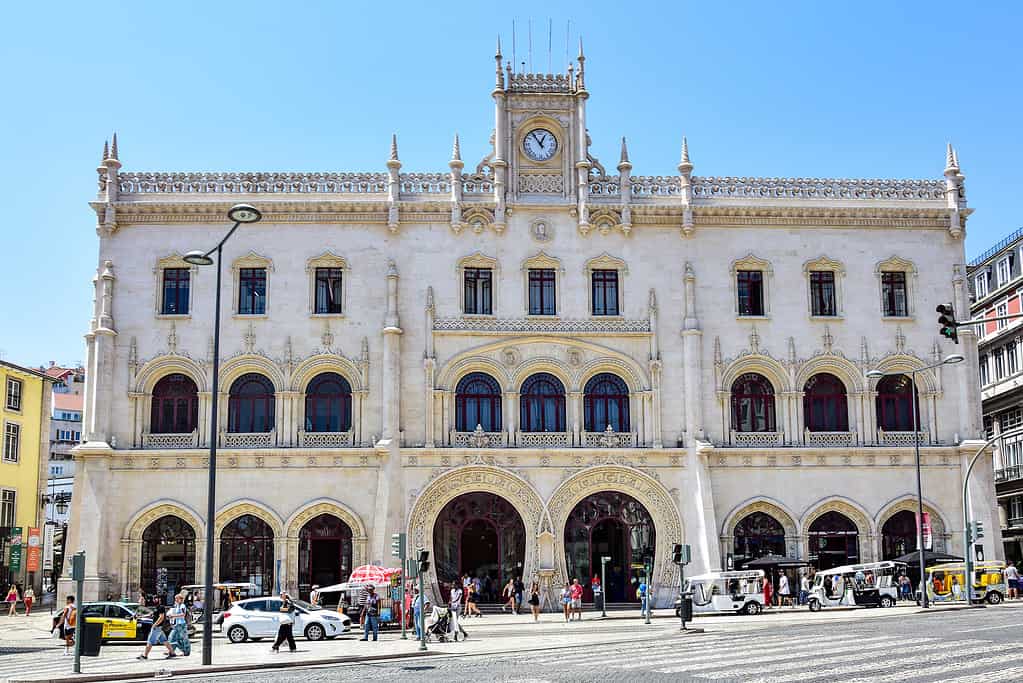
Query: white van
{"x":735,"y":591}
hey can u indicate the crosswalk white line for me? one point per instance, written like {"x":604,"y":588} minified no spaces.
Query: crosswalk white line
{"x":1012,"y":674}
{"x":751,"y":648}
{"x":808,"y":654}
{"x":998,"y":655}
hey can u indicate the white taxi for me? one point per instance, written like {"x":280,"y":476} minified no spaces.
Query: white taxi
{"x":258,"y":618}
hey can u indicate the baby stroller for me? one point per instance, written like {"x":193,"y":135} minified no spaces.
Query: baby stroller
{"x":439,"y":628}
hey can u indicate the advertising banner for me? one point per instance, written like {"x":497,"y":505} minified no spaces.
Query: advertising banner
{"x":16,"y":549}
{"x":34,"y":559}
{"x":926,"y":529}
{"x":48,"y":535}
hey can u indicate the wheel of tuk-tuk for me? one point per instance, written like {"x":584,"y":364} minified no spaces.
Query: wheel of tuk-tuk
{"x":994,"y":597}
{"x":751,"y":608}
{"x":887,"y":601}
{"x":815,"y":605}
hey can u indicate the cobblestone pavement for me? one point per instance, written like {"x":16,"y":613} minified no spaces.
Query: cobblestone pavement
{"x":879,"y":646}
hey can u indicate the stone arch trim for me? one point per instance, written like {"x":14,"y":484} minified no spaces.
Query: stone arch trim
{"x":547,"y":364}
{"x":453,"y":373}
{"x":471,"y":479}
{"x":858,"y":516}
{"x":840,"y":367}
{"x":308,"y":369}
{"x":161,"y":366}
{"x":770,"y":507}
{"x":651,"y":493}
{"x":908,"y":502}
{"x":770,"y":368}
{"x":298,"y":519}
{"x":926,"y":381}
{"x":633,"y":379}
{"x":233,"y":368}
{"x":131,"y":540}
{"x":234,"y":510}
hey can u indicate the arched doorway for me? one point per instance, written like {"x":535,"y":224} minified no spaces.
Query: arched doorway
{"x":168,"y":556}
{"x":615,"y":525}
{"x":834,"y":541}
{"x":756,"y":535}
{"x":324,"y":553}
{"x":247,"y":553}
{"x":482,"y":535}
{"x":898,"y":535}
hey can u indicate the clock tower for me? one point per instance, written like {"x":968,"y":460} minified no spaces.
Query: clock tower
{"x":540,"y":155}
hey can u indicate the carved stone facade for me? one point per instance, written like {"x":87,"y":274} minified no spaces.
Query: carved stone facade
{"x":402,"y":248}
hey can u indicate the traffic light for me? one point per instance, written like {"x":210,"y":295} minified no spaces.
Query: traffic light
{"x":676,"y":553}
{"x":424,"y":561}
{"x":978,"y":531}
{"x":398,"y":545}
{"x":947,"y":325}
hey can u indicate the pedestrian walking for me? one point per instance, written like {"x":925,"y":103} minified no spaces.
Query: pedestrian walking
{"x":768,"y":592}
{"x":641,"y":593}
{"x":957,"y":590}
{"x":534,"y":600}
{"x":285,"y":624}
{"x":417,"y":612}
{"x":314,"y":595}
{"x":178,"y":617}
{"x":466,"y":582}
{"x":370,"y":615}
{"x":12,"y":600}
{"x":509,"y":595}
{"x":905,"y":587}
{"x":519,"y":589}
{"x":28,"y":597}
{"x":471,"y":598}
{"x":1012,"y":578}
{"x":566,"y":600}
{"x":576,"y":593}
{"x":158,"y":632}
{"x":67,"y":621}
{"x":784,"y":592}
{"x":804,"y":588}
{"x":454,"y":604}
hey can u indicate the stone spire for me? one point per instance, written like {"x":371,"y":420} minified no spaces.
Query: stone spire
{"x":456,"y":153}
{"x":580,"y":77}
{"x":685,"y":169}
{"x":685,"y":166}
{"x":394,"y":150}
{"x":393,"y":185}
{"x":106,"y":151}
{"x":499,"y":84}
{"x":951,"y":162}
{"x":113,"y":148}
{"x":623,"y":161}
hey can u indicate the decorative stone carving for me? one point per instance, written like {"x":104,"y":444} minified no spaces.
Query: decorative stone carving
{"x":815,"y":188}
{"x":325,"y":439}
{"x":169,"y":441}
{"x":526,"y":325}
{"x":543,"y":439}
{"x":478,"y":439}
{"x":541,"y":183}
{"x":541,"y":230}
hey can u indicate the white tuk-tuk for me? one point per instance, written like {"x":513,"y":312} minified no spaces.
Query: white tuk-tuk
{"x":735,"y":591}
{"x":875,"y":584}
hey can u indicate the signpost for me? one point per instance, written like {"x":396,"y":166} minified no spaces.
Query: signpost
{"x":682,"y":554}
{"x":78,"y":575}
{"x":423,"y":562}
{"x":16,"y":550}
{"x":398,"y":550}
{"x":603,"y":587}
{"x":34,"y":561}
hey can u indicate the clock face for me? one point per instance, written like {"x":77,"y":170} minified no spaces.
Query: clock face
{"x":540,"y":144}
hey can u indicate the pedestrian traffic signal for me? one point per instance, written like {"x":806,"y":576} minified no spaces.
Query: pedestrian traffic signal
{"x":947,"y":325}
{"x":398,"y":545}
{"x":978,"y":552}
{"x":423,"y":561}
{"x":681,"y":553}
{"x":978,"y":531}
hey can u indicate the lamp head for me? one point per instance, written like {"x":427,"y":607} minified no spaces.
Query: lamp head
{"x":874,"y":374}
{"x":198,"y":258}
{"x":244,"y":213}
{"x":954,"y":358}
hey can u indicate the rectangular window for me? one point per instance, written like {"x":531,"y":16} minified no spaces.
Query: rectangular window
{"x":605,"y":292}
{"x":822,"y":293}
{"x":999,"y":357}
{"x":1004,"y":270}
{"x":1016,"y":508}
{"x":328,"y":290}
{"x":13,"y":394}
{"x":252,"y":291}
{"x":980,"y":285}
{"x":8,"y":507}
{"x":478,"y":286}
{"x":750,"y":288}
{"x":1002,"y":310}
{"x":175,"y":291}
{"x":982,"y":361}
{"x":893,"y":294}
{"x":541,"y":291}
{"x":12,"y":437}
{"x":1011,"y":362}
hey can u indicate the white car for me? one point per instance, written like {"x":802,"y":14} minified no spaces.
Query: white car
{"x":258,"y":618}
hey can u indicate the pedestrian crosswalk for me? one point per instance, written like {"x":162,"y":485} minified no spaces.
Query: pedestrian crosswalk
{"x":784,"y":658}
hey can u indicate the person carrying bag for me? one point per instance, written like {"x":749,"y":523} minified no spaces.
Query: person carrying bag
{"x":285,"y":624}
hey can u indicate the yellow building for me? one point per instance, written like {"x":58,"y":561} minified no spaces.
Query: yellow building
{"x":25,"y":423}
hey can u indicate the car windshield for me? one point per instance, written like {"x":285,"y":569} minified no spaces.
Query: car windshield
{"x":306,"y":605}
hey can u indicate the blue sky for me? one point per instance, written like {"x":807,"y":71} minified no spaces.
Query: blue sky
{"x":781,"y":89}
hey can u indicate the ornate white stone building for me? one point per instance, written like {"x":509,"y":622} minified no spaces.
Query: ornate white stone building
{"x":526,"y":364}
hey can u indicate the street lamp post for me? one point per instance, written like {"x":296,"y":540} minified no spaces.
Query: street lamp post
{"x":239,"y":213}
{"x":603,"y":585}
{"x":877,"y":374}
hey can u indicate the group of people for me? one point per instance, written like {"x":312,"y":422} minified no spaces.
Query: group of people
{"x":169,"y":629}
{"x":14,"y":596}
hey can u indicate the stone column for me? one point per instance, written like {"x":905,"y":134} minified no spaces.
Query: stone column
{"x":391,"y":385}
{"x":511,"y":414}
{"x":205,"y":399}
{"x":575,"y":402}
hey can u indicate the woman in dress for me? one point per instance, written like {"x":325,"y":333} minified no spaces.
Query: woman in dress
{"x":471,"y":598}
{"x":566,"y":600}
{"x":509,"y":596}
{"x":12,"y":600}
{"x":768,"y":591}
{"x":534,"y":600}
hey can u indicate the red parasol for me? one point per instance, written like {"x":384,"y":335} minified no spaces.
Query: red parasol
{"x":371,"y":573}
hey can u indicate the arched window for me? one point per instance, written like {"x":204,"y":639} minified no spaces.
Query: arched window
{"x":833,"y":541}
{"x":824,"y":404}
{"x":250,"y":407}
{"x":606,"y":402}
{"x":328,"y":404}
{"x":478,"y":402}
{"x":752,"y":404}
{"x":247,"y":553}
{"x":898,"y":535}
{"x":542,"y":404}
{"x":895,"y":396}
{"x":756,"y":535}
{"x":175,"y":405}
{"x":168,"y":555}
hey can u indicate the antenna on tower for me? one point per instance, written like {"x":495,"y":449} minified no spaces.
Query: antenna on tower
{"x":550,"y":25}
{"x":568,"y":29}
{"x":529,"y":29}
{"x":514,"y":63}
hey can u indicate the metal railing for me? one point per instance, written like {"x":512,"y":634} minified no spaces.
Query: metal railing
{"x":1009,"y":239}
{"x":1011,"y":473}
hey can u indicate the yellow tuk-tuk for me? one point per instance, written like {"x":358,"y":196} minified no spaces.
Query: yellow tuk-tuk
{"x":947,"y":583}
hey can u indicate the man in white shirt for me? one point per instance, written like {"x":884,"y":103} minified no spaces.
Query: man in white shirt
{"x":804,"y":588}
{"x":784,"y":593}
{"x":1012,"y":578}
{"x":455,"y":604}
